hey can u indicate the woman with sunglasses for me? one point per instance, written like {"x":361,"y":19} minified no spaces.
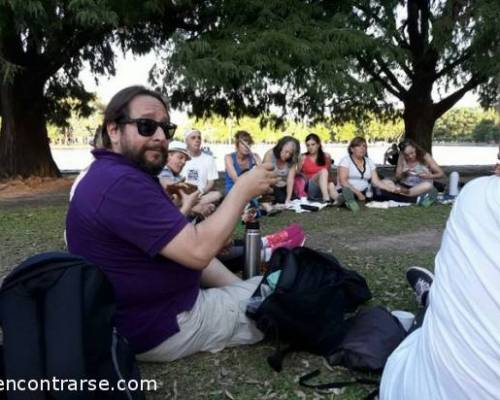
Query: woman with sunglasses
{"x":314,"y":168}
{"x":284,"y":157}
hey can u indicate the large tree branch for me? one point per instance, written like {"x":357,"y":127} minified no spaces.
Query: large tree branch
{"x":414,"y":35}
{"x":449,"y":67}
{"x":392,"y":78}
{"x":368,"y":67}
{"x":425,"y":15}
{"x":449,"y":101}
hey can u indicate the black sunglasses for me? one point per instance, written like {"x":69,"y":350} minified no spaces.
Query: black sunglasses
{"x":147,"y":127}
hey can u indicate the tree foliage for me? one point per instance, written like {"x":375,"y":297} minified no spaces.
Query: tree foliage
{"x":318,"y":60}
{"x":44,"y":44}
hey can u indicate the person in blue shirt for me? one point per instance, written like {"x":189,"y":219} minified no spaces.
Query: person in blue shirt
{"x":241,"y":160}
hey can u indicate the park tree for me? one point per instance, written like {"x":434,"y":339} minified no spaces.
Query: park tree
{"x":43,"y":47}
{"x":337,"y":60}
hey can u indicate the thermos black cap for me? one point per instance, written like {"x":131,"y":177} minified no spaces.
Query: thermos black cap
{"x":252,"y":225}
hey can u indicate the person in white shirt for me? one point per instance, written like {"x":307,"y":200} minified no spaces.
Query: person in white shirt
{"x":455,"y":354}
{"x":200,"y":170}
{"x":357,"y":172}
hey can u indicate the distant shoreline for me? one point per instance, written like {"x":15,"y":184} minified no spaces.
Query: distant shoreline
{"x":377,"y":143}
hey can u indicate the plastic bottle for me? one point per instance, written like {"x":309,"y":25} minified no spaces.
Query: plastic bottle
{"x":369,"y":191}
{"x":253,"y":245}
{"x":453,"y":184}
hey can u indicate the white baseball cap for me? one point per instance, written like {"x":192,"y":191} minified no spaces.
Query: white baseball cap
{"x":189,"y":132}
{"x":180,"y":147}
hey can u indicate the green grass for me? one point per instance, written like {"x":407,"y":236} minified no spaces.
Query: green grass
{"x":380,"y":244}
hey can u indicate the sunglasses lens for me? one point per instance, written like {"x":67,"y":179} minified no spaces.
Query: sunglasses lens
{"x":146,"y":127}
{"x":169,"y":129}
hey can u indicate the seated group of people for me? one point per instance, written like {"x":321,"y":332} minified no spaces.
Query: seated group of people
{"x":174,"y":296}
{"x":305,"y":175}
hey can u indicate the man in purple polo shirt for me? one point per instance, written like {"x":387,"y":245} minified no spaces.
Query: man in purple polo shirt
{"x":121,"y":219}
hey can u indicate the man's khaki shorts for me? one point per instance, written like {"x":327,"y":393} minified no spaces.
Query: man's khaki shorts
{"x":217,"y":320}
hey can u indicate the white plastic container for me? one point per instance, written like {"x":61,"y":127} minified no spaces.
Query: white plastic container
{"x":453,"y":183}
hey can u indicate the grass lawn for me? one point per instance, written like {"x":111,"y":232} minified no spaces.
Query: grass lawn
{"x":380,"y":244}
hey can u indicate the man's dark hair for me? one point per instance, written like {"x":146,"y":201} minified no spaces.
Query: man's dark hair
{"x":117,"y":108}
{"x":281,"y":143}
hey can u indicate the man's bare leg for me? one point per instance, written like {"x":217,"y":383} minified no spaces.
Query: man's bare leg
{"x":217,"y":275}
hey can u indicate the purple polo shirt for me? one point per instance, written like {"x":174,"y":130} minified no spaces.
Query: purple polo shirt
{"x":120,"y":218}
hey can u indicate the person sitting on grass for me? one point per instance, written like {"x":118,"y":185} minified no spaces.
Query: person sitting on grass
{"x":121,"y":219}
{"x":241,"y":160}
{"x":314,"y":170}
{"x":182,"y":194}
{"x":284,"y":157}
{"x":453,"y":350}
{"x":416,"y":170}
{"x":356,"y":174}
{"x":200,"y":170}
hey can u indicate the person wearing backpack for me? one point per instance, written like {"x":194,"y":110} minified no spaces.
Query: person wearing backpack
{"x":121,"y":219}
{"x":455,"y":354}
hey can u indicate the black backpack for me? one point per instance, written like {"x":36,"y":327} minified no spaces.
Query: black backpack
{"x":372,"y":335}
{"x":56,"y":312}
{"x":306,"y":310}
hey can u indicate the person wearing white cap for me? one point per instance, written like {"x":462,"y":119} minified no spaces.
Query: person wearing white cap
{"x":201,"y":169}
{"x":178,"y":155}
{"x":188,"y":203}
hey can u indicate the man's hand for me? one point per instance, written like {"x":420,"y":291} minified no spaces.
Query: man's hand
{"x":189,"y":200}
{"x":204,"y":209}
{"x":258,"y":180}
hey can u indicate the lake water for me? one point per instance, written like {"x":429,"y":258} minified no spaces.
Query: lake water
{"x":78,"y":158}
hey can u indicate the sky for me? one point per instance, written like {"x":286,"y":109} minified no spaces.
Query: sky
{"x":131,"y":70}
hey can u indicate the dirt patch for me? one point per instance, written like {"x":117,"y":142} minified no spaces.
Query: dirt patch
{"x":34,"y":190}
{"x":421,"y":240}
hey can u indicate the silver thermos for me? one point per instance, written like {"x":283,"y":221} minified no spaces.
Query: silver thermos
{"x":253,"y":246}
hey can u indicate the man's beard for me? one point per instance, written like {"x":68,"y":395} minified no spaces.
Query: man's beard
{"x":139,"y":158}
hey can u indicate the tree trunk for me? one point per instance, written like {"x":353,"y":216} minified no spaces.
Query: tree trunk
{"x":24,"y":143}
{"x":419,"y":116}
{"x":419,"y":125}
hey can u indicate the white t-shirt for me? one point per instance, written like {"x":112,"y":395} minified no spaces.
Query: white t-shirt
{"x":199,"y":170}
{"x":358,"y":178}
{"x":456,"y":353}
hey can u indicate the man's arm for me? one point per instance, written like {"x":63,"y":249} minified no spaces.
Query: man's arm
{"x":195,"y":245}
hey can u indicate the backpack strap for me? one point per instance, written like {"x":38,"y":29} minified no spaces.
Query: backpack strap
{"x":303,"y":381}
{"x":289,"y":274}
{"x":275,"y":360}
